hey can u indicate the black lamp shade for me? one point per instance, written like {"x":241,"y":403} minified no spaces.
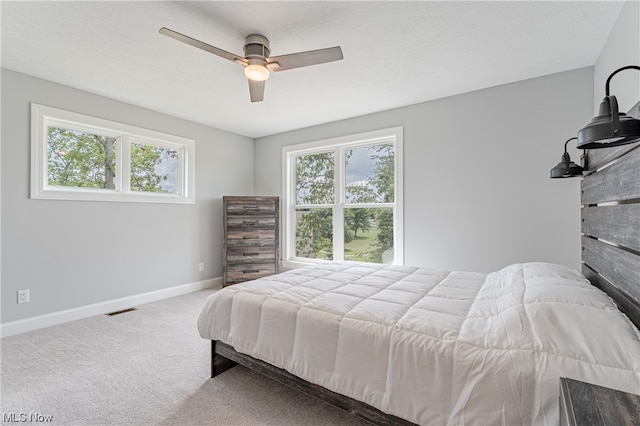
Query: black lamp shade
{"x":566,"y":168}
{"x":610,"y":128}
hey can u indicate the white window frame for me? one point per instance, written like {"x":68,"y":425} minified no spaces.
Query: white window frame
{"x":42,"y":117}
{"x":339,"y":145}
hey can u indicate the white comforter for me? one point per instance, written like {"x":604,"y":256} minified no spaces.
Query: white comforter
{"x":432,"y":346}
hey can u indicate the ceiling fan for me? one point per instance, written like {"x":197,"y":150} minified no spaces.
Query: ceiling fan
{"x":257,"y":63}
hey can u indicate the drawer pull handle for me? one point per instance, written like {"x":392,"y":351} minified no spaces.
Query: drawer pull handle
{"x":248,"y":237}
{"x":249,"y":222}
{"x":251,"y":271}
{"x":251,"y":207}
{"x":250,"y":254}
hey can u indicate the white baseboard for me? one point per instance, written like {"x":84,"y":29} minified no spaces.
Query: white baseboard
{"x":47,"y":320}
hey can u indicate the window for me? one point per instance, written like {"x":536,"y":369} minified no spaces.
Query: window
{"x":78,"y":157}
{"x":343,"y":199}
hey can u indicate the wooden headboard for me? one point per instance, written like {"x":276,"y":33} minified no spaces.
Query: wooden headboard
{"x":611,"y":223}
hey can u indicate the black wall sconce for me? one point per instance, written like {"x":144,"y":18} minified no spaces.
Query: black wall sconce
{"x":566,"y":168}
{"x":611,"y":127}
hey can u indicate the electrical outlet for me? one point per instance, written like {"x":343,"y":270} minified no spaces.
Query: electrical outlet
{"x":23,"y":296}
{"x":201,"y":266}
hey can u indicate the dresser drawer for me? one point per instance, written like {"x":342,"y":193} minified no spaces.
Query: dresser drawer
{"x":251,"y":255}
{"x":252,"y":241}
{"x":246,"y":272}
{"x":250,"y":223}
{"x":244,"y":208}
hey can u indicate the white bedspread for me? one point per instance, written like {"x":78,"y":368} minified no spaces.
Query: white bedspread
{"x":432,"y":346}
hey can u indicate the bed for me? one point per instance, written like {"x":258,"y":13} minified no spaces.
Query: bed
{"x":399,"y":344}
{"x":431,"y":346}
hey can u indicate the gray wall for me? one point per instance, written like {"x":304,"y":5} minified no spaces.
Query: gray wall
{"x":621,"y":49}
{"x":477,"y":192}
{"x":71,"y":254}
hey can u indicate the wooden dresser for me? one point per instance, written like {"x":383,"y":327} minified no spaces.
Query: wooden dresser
{"x":251,"y":238}
{"x":586,"y":404}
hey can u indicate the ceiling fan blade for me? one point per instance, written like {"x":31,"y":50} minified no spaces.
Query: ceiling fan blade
{"x":201,"y":45}
{"x":256,"y":90}
{"x":304,"y":59}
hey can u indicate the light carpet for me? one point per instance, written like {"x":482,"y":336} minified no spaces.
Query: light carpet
{"x":146,"y":367}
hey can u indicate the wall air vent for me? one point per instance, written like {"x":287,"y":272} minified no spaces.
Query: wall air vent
{"x":110,"y":314}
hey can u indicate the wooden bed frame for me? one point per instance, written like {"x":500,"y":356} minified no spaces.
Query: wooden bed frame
{"x":610,"y":260}
{"x":610,"y":198}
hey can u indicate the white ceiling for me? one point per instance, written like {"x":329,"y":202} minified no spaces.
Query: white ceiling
{"x":395,"y":53}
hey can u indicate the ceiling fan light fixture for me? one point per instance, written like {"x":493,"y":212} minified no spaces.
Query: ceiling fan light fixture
{"x":256,"y":71}
{"x":257,"y":61}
